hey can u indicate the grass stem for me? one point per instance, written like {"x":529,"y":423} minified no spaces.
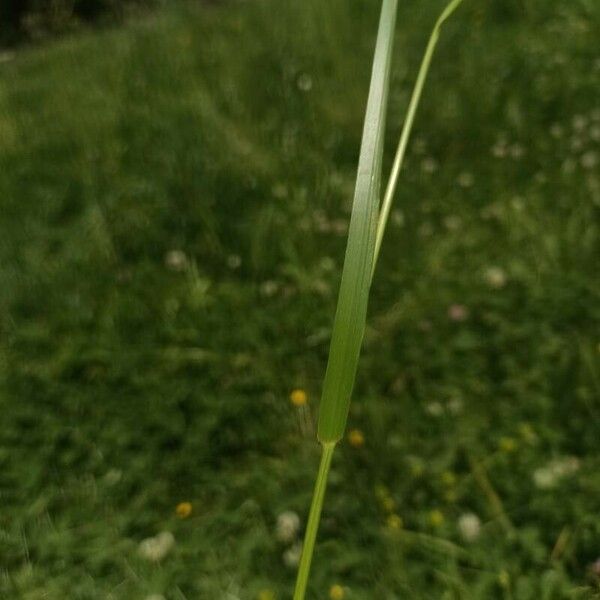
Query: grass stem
{"x":367,"y":225}
{"x":408,"y":123}
{"x":313,"y":520}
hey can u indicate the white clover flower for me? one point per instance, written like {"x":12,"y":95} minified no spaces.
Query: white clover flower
{"x":327,"y":263}
{"x":176,"y":260}
{"x":499,"y":149}
{"x":113,"y":476}
{"x":6,"y":56}
{"x":321,"y":221}
{"x":321,"y":286}
{"x":452,"y":222}
{"x":291,"y":557}
{"x":566,"y":466}
{"x":469,"y":527}
{"x":589,"y":160}
{"x":556,"y":131}
{"x":544,"y":478}
{"x":156,"y":548}
{"x":455,"y":406}
{"x":339,"y":226}
{"x":234,"y":261}
{"x":517,"y":203}
{"x":429,"y":165}
{"x":288,"y":524}
{"x":465,"y":180}
{"x":495,"y":277}
{"x":595,"y":133}
{"x":492,"y":211}
{"x":398,"y":218}
{"x":435,"y":409}
{"x":305,"y":82}
{"x":458,"y":312}
{"x":155,"y":597}
{"x":579,"y":122}
{"x":549,"y":476}
{"x":517,"y":151}
{"x":269,"y":288}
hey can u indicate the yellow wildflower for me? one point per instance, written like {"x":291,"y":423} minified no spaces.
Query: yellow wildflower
{"x":336,"y":592}
{"x":394,"y":522}
{"x":436,"y":518}
{"x":266,"y":595}
{"x":356,"y":438}
{"x":527,"y":433}
{"x":298,"y":397}
{"x":504,"y":578}
{"x":507,"y":444}
{"x":416,"y":468}
{"x":183,"y":510}
{"x":388,"y":504}
{"x":381,"y":491}
{"x":448,"y":478}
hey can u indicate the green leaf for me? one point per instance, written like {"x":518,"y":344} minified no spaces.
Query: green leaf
{"x":408,"y":123}
{"x":351,"y":313}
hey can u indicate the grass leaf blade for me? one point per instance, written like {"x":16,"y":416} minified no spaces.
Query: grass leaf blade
{"x":350,"y":317}
{"x":408,"y":123}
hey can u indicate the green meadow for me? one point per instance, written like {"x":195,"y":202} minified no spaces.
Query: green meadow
{"x":174,"y":201}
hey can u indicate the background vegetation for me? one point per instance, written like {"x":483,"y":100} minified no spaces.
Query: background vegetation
{"x":22,"y":20}
{"x":174,"y":196}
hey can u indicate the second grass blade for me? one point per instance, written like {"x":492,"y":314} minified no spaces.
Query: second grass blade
{"x":350,"y":316}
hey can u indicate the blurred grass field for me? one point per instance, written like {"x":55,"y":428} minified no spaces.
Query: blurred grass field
{"x":174,"y":196}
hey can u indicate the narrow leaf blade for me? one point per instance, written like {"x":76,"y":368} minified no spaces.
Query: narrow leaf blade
{"x":351,"y":312}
